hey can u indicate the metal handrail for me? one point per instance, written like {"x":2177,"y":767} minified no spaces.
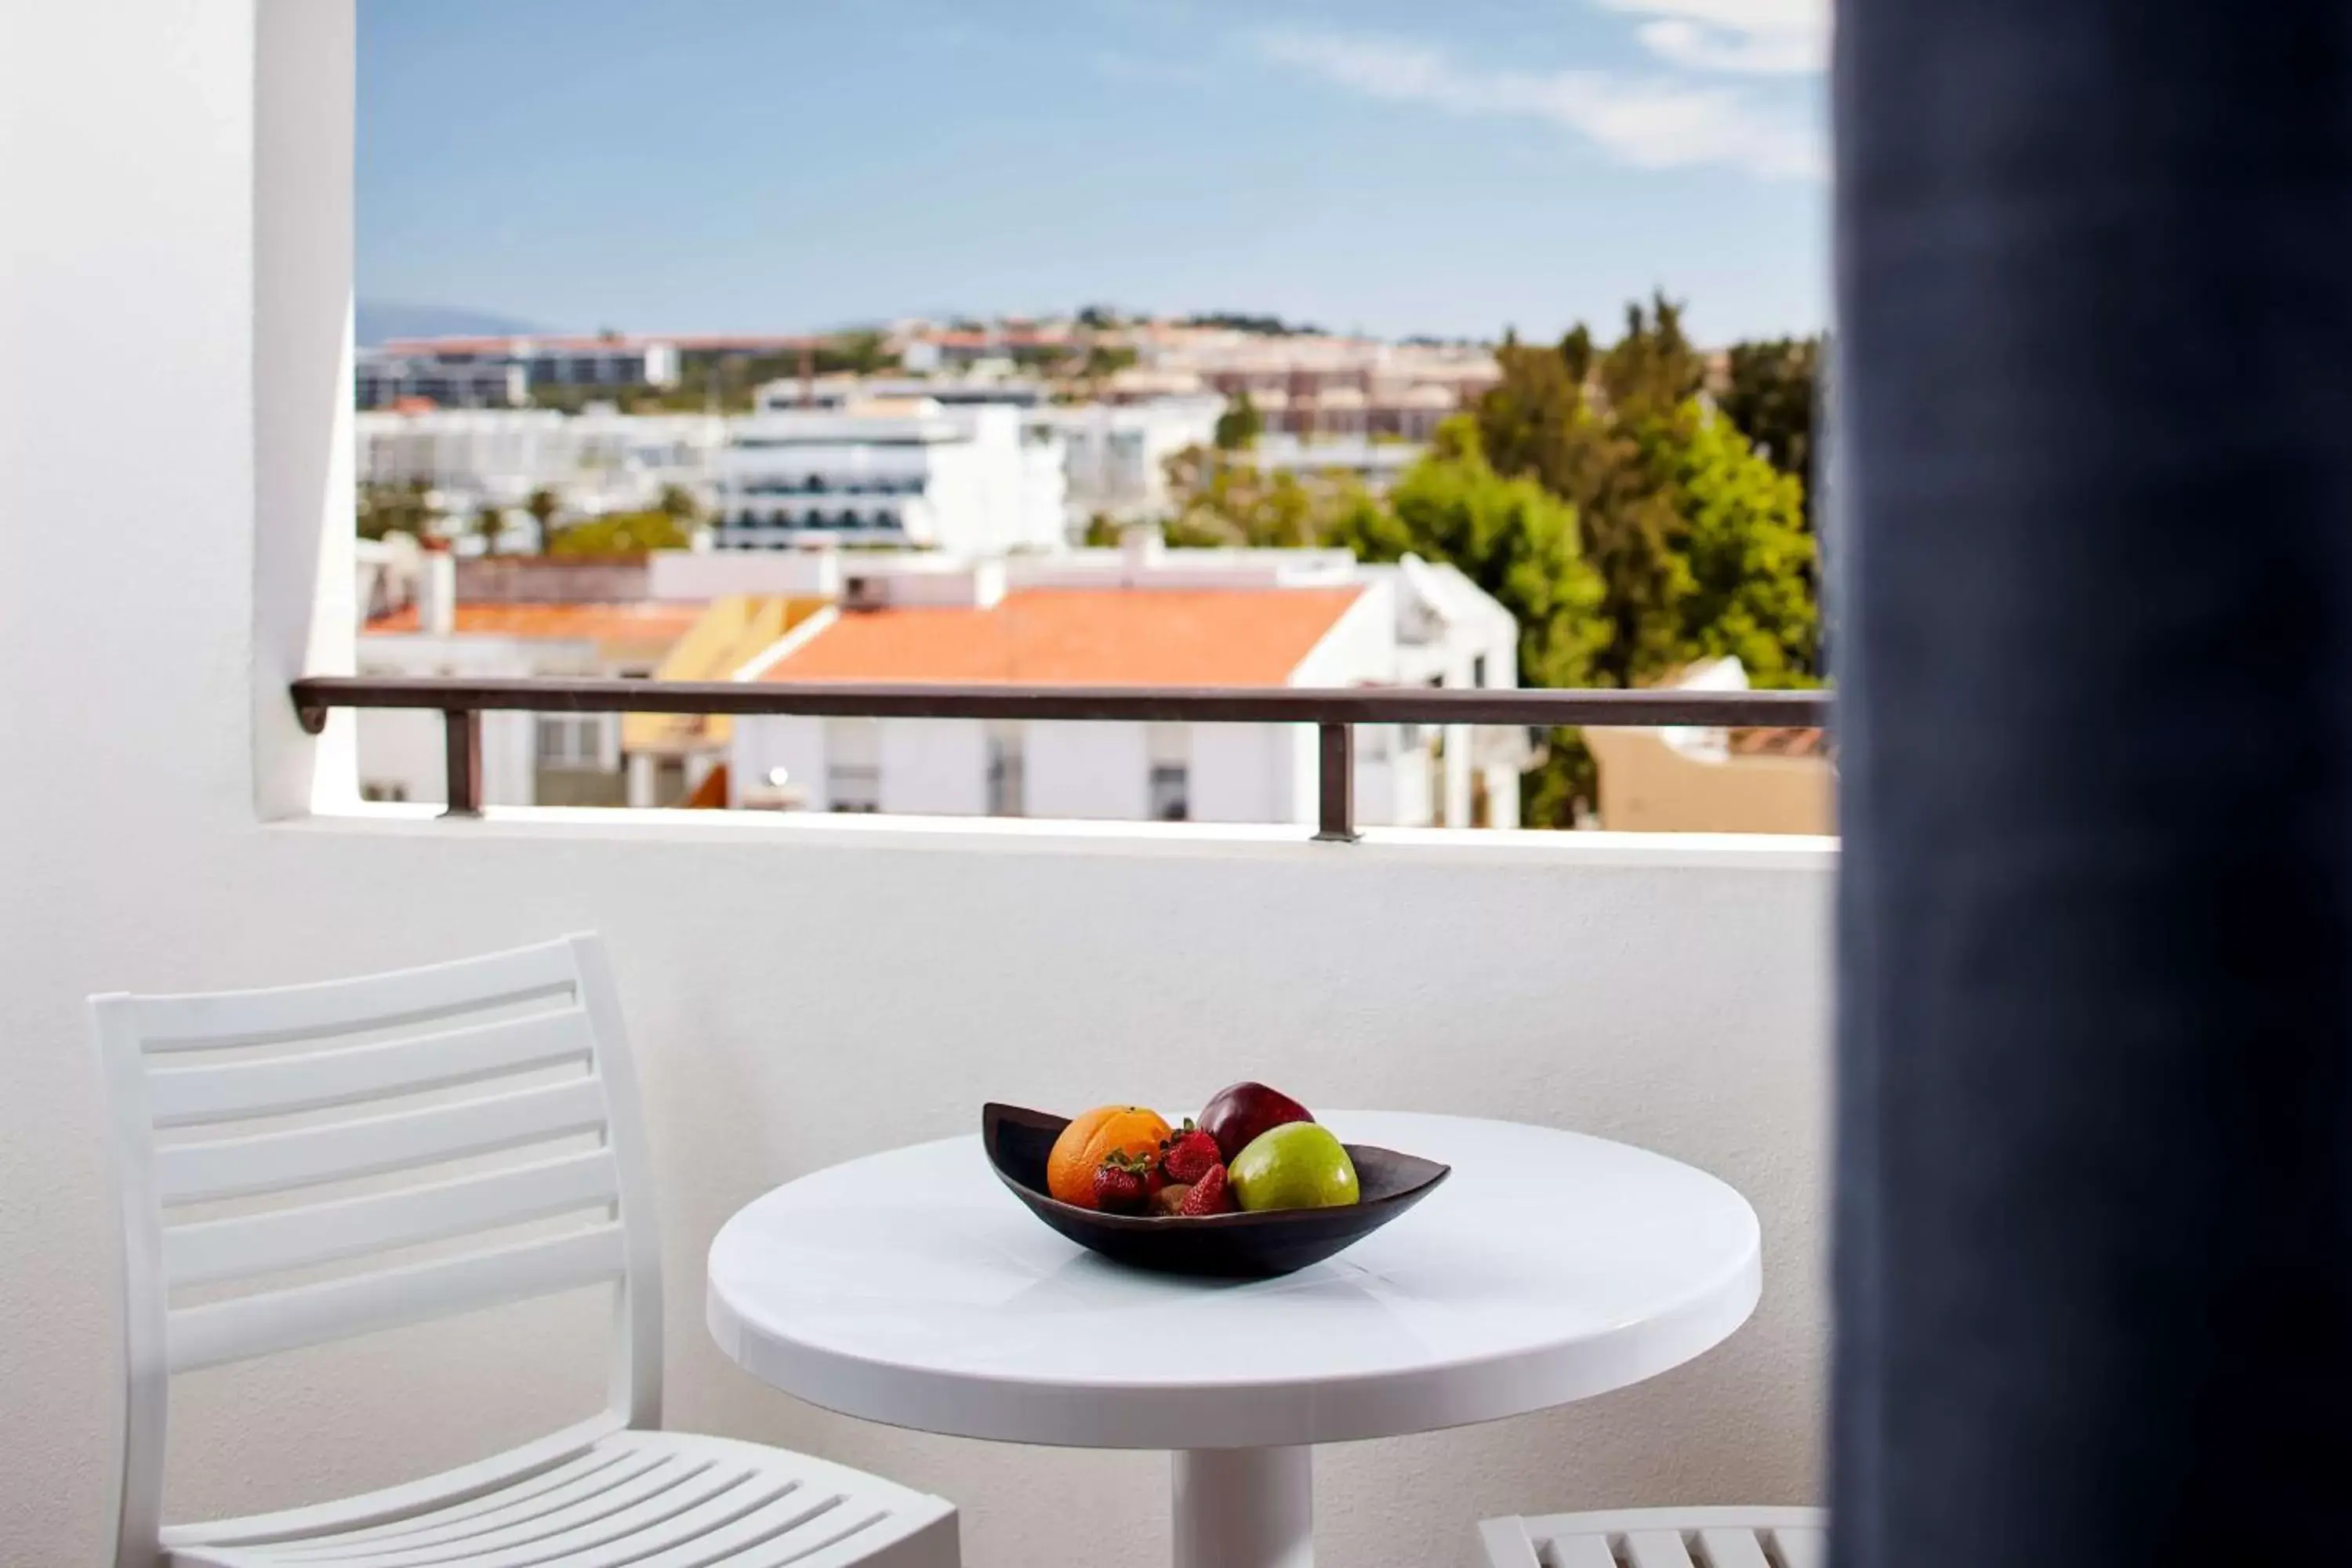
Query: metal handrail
{"x":1334,"y":712}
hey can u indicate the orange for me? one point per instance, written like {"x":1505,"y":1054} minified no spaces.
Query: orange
{"x":1089,"y":1139}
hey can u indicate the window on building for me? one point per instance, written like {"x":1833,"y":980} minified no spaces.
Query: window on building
{"x":1478,"y":671}
{"x":853,"y":765}
{"x":383,"y":792}
{"x":572,"y":740}
{"x":855,"y":790}
{"x":1169,"y":749}
{"x":1007,"y":780}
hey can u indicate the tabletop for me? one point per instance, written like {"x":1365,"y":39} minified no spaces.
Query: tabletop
{"x":909,"y":1288}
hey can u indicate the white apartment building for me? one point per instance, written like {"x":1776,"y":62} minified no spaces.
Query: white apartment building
{"x":971,"y":389}
{"x":1132,"y":616}
{"x":382,"y":380}
{"x":883,"y":472}
{"x":573,"y":360}
{"x":1376,"y":465}
{"x":1115,"y":454}
{"x":595,"y":462}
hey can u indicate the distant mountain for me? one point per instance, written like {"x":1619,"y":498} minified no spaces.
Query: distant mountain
{"x":381,"y":318}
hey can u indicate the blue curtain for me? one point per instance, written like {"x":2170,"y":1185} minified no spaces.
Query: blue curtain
{"x":2093,"y":1228}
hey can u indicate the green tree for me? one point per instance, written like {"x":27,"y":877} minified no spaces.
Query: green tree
{"x":1098,"y":362}
{"x":1697,"y":541}
{"x":1770,"y":391}
{"x":679,"y":504}
{"x":621,"y":533}
{"x":489,"y":521}
{"x":1510,"y":536}
{"x":1586,"y":425}
{"x":396,"y":509}
{"x":861,"y":352}
{"x":1522,"y":544}
{"x":1751,"y":555}
{"x":1223,"y":500}
{"x":544,"y":509}
{"x":1239,"y":426}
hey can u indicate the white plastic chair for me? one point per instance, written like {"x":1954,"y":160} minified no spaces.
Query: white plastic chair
{"x":515,"y":1065}
{"x":1657,"y":1538}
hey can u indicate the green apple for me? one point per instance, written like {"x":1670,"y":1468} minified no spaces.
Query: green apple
{"x":1298,"y":1165}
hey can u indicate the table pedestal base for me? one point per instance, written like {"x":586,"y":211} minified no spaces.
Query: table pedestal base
{"x":1244,"y":1507}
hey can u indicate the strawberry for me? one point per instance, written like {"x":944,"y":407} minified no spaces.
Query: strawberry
{"x":1188,"y":1153}
{"x":1207,"y":1195}
{"x":1121,"y":1184}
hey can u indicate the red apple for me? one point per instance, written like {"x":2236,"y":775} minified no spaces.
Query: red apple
{"x":1236,"y":1116}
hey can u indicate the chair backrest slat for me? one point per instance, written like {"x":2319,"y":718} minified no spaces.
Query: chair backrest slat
{"x":1802,"y":1548}
{"x":1578,"y":1552}
{"x":1732,"y":1549}
{"x":1659,"y":1538}
{"x":321,"y":1081}
{"x":216,"y":1019}
{"x":225,"y":1332}
{"x":347,"y":1151}
{"x":484,"y":1111}
{"x":1656,"y":1549}
{"x":251,"y":1245}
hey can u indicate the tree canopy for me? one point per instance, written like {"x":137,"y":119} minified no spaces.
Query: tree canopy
{"x":621,"y":533}
{"x":1771,"y":389}
{"x":1510,"y":536}
{"x":385,"y":508}
{"x":1240,"y":426}
{"x":1749,"y":556}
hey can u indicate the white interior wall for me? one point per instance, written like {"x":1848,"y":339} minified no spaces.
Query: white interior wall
{"x":800,"y":994}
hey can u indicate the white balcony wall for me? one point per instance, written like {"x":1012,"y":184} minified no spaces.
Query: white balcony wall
{"x":800,"y":992}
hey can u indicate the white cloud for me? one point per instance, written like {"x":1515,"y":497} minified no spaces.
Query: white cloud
{"x":1753,"y":37}
{"x":1651,"y":123}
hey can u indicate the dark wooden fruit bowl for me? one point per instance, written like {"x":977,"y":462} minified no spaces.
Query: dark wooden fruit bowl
{"x":1240,"y":1246}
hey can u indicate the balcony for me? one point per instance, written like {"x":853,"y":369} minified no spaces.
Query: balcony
{"x":801,"y":991}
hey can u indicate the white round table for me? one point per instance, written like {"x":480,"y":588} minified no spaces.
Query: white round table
{"x":909,"y":1288}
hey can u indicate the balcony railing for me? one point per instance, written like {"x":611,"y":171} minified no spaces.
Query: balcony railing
{"x":1335,"y":712}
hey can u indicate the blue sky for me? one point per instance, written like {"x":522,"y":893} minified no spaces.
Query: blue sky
{"x":1448,"y":167}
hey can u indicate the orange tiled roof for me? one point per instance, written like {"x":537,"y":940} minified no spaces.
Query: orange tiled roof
{"x":1079,"y":637}
{"x":1779,"y":743}
{"x":648,"y":621}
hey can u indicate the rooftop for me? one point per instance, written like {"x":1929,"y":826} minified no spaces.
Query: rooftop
{"x":648,"y":620}
{"x":1080,"y":637}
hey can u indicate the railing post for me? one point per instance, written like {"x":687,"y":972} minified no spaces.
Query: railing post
{"x":1336,"y":782}
{"x":463,"y":752}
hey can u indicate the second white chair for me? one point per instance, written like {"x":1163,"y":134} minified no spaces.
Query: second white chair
{"x":521,"y":1057}
{"x":1656,"y":1538}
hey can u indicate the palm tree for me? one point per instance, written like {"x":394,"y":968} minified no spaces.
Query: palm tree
{"x":397,"y":509}
{"x":543,"y":508}
{"x":489,"y":521}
